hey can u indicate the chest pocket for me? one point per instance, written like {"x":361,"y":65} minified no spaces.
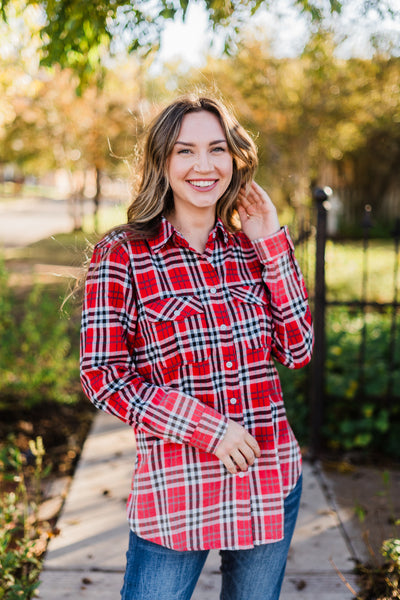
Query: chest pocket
{"x":178,"y":329}
{"x":253,"y":316}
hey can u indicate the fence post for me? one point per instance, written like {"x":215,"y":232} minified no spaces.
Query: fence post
{"x":318,"y":362}
{"x":393,"y":326}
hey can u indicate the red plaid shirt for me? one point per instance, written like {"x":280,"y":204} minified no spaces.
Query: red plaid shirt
{"x":174,"y":343}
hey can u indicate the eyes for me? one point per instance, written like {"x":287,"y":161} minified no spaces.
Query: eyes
{"x":215,"y":150}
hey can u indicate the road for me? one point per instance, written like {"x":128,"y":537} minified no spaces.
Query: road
{"x":28,"y":220}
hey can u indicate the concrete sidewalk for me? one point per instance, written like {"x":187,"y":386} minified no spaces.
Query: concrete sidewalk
{"x":87,"y":559}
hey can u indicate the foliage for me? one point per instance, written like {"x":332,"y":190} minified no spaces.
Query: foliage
{"x":78,"y":34}
{"x":20,"y":530}
{"x":38,"y":362}
{"x":362,"y":379}
{"x":53,"y":129}
{"x":318,"y":118}
{"x":356,"y":415}
{"x":382,"y":582}
{"x":391,"y":551}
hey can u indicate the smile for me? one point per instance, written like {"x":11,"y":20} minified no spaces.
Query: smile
{"x":203,"y":183}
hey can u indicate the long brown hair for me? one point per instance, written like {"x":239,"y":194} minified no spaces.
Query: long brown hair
{"x":154,"y":196}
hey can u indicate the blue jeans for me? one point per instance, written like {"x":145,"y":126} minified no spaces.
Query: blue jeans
{"x":154,"y":572}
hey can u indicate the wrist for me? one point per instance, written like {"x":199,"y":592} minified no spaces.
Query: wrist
{"x":266,"y":236}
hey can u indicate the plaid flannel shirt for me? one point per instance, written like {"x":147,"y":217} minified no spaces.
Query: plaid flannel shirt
{"x":174,"y":343}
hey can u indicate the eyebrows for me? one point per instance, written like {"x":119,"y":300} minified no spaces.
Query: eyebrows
{"x":192,"y":145}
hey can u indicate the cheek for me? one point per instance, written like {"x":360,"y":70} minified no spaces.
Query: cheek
{"x":228,"y":170}
{"x":175,"y":172}
{"x":228,"y":167}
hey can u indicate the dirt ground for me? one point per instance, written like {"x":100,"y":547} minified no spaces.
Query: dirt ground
{"x":370,"y":495}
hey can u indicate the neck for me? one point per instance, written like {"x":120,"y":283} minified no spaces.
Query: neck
{"x":195,"y":228}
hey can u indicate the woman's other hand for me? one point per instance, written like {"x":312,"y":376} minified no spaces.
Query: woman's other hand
{"x":238,"y":449}
{"x":257,"y":212}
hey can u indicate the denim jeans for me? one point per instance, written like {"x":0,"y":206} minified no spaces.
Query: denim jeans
{"x":154,"y":572}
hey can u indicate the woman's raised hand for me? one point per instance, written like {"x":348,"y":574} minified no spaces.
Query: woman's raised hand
{"x":257,"y":212}
{"x":238,"y":449}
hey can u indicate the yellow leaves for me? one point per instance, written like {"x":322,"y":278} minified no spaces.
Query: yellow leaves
{"x":336,"y":350}
{"x":37,"y":447}
{"x":348,"y":137}
{"x":352,"y":389}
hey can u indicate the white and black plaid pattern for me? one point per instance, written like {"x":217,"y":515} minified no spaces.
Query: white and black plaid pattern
{"x":175,"y":343}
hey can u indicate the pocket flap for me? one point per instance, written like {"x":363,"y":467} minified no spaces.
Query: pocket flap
{"x":176,"y":308}
{"x":251,"y":294}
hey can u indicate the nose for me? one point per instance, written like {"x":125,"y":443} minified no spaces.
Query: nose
{"x":203,"y":163}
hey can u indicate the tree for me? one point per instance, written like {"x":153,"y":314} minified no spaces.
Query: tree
{"x":56,"y":129}
{"x":78,"y":34}
{"x":317,"y":118}
{"x":45,"y":126}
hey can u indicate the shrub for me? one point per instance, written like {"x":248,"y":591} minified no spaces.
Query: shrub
{"x":20,"y":529}
{"x":38,"y":348}
{"x":361,"y":408}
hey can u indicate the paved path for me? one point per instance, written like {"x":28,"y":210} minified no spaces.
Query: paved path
{"x":27,"y":220}
{"x":87,"y":559}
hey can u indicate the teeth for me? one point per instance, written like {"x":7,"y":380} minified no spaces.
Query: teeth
{"x":202,"y":183}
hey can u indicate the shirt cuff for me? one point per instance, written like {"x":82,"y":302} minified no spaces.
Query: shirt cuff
{"x":273,"y":246}
{"x":209,"y":431}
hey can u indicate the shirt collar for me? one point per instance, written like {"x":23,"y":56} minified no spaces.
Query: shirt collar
{"x":166,"y":232}
{"x":224,"y":234}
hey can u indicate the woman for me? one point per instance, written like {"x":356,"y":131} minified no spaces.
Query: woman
{"x":183,"y":314}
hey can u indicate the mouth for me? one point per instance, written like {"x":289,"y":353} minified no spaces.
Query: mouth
{"x":203,"y":184}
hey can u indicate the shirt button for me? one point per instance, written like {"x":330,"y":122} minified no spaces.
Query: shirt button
{"x":229,"y":364}
{"x":233,"y":400}
{"x":213,"y":290}
{"x":177,"y":312}
{"x":224,"y":327}
{"x":242,"y":474}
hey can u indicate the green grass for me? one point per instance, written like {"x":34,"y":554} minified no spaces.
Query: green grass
{"x":344,"y":267}
{"x":12,"y":191}
{"x":109,"y":217}
{"x":344,"y":270}
{"x":61,"y":249}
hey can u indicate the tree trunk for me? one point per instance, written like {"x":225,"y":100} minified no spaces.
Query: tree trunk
{"x":96,"y":200}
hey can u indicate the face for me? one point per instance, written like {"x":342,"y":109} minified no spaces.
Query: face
{"x":200,"y":165}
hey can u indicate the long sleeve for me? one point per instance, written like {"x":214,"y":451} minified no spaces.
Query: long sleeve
{"x":292,"y":338}
{"x":175,"y":344}
{"x":108,"y":374}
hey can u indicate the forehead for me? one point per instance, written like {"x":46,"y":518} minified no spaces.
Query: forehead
{"x":202,"y":125}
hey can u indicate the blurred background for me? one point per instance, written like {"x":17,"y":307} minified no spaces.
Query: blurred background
{"x":318,"y":86}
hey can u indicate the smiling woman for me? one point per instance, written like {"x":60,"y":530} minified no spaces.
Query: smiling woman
{"x":200,"y":170}
{"x":185,"y":307}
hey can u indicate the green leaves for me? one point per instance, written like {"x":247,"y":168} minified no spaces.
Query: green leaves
{"x":37,"y":360}
{"x":19,"y":524}
{"x":77,"y":34}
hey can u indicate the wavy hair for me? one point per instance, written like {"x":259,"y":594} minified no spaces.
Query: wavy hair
{"x":154,"y":197}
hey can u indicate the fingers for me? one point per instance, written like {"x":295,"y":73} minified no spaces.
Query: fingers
{"x":254,"y":197}
{"x":238,"y":449}
{"x":257,"y":213}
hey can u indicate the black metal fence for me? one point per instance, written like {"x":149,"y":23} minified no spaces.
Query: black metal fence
{"x":389,"y":389}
